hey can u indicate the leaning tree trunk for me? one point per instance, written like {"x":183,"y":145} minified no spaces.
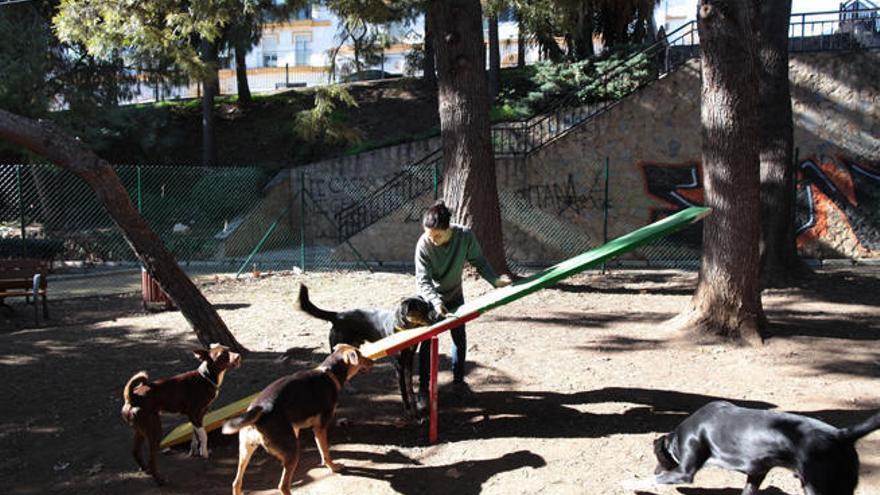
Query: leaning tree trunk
{"x":494,"y":59}
{"x":780,"y":263}
{"x":244,"y":89}
{"x":727,"y":301}
{"x":429,"y":68}
{"x":469,"y":183}
{"x":209,"y":92}
{"x":68,"y":153}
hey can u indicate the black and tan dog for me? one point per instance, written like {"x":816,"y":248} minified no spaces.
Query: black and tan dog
{"x":188,"y":393}
{"x":306,"y":399}
{"x":357,"y":326}
{"x":753,"y":441}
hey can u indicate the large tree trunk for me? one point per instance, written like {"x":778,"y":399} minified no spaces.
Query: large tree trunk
{"x":583,"y":37}
{"x":780,"y":263}
{"x":46,"y":140}
{"x":520,"y":42}
{"x":244,"y":89}
{"x":469,"y":183}
{"x":494,"y":59}
{"x":429,"y":68}
{"x":210,"y":90}
{"x":727,"y":301}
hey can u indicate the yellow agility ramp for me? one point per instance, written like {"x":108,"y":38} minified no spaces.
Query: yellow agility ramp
{"x":488,"y":301}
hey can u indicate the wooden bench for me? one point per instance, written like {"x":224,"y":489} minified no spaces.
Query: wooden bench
{"x":24,"y":278}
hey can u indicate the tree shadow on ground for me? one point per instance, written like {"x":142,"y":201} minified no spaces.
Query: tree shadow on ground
{"x":533,"y":414}
{"x":855,"y":285}
{"x":463,"y":478}
{"x":587,"y":319}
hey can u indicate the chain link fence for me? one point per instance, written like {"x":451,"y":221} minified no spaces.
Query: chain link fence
{"x":242,"y":220}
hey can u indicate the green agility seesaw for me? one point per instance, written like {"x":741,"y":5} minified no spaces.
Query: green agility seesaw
{"x":487,"y":302}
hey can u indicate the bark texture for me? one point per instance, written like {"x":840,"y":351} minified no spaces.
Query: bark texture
{"x":727,"y":301}
{"x":244,"y":89}
{"x":469,"y":182}
{"x":210,"y":89}
{"x":494,"y":59}
{"x":430,"y":67}
{"x":46,"y":140}
{"x":780,"y":263}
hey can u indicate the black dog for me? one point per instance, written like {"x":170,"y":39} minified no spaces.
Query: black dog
{"x":357,"y":326}
{"x":753,"y":441}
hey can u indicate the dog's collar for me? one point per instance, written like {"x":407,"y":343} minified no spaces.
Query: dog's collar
{"x":667,"y":446}
{"x":203,"y":372}
{"x":329,"y":372}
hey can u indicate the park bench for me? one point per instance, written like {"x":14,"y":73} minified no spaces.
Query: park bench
{"x":24,"y":278}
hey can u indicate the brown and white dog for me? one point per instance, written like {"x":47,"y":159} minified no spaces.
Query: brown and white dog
{"x":188,"y":393}
{"x":306,"y":399}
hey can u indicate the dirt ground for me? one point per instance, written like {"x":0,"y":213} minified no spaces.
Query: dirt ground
{"x":570,"y":386}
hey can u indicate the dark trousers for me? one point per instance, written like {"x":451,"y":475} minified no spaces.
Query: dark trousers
{"x":459,"y":353}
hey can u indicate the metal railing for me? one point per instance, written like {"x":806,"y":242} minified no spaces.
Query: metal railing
{"x":825,"y":31}
{"x":407,"y":185}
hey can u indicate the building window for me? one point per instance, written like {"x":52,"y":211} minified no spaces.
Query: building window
{"x":270,"y":50}
{"x":270,"y":59}
{"x":303,"y":49}
{"x":303,"y":13}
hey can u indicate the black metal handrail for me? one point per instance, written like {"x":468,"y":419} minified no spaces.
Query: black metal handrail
{"x":406,"y":185}
{"x":849,"y":29}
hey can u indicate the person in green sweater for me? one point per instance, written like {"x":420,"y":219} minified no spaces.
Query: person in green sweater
{"x":441,"y":252}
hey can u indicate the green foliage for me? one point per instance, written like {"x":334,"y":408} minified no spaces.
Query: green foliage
{"x":24,"y":61}
{"x":610,"y":77}
{"x":225,"y":195}
{"x":508,"y":111}
{"x":323,"y":123}
{"x":152,"y":34}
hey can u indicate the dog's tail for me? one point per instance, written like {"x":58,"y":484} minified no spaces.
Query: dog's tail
{"x":134,"y":381}
{"x":856,"y":432}
{"x":306,"y":305}
{"x":250,"y":417}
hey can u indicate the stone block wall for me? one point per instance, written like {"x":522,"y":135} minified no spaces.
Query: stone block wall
{"x":552,"y":200}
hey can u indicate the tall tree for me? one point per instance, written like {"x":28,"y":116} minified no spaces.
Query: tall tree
{"x":494,"y":58}
{"x":210,"y":90}
{"x":430,"y":67}
{"x":469,"y":182}
{"x":727,"y":300}
{"x":780,"y":262}
{"x":186,"y":33}
{"x":46,"y":140}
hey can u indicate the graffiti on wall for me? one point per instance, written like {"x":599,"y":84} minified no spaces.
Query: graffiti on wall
{"x":841,"y":188}
{"x":675,"y":186}
{"x":565,"y":195}
{"x":827,"y":188}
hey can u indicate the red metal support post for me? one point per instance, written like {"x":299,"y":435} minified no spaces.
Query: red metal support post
{"x":432,"y":391}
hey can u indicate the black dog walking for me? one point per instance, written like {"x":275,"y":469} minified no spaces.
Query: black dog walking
{"x":753,"y":441}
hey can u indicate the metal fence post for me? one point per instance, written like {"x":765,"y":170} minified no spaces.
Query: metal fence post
{"x":605,"y":211}
{"x":24,"y":249}
{"x":286,"y":75}
{"x":436,"y":180}
{"x":302,"y":221}
{"x":140,"y":191}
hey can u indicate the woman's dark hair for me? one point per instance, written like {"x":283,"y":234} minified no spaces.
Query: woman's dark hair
{"x":437,"y":216}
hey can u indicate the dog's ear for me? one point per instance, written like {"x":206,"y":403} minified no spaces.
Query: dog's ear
{"x":664,"y":459}
{"x":201,"y":354}
{"x":400,"y":315}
